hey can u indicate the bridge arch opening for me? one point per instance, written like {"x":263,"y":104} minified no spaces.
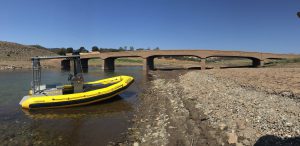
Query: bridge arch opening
{"x":111,"y":63}
{"x":176,"y":62}
{"x":282,"y":61}
{"x":95,"y":62}
{"x":232,"y":62}
{"x":129,"y":61}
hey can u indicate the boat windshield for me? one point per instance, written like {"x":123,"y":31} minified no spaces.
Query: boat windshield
{"x":76,"y":79}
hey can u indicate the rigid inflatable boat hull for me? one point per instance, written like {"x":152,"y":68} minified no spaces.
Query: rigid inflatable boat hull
{"x":118,"y":85}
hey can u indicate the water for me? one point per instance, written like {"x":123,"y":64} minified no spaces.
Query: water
{"x":95,"y":124}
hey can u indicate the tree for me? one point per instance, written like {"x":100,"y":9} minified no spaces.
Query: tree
{"x":82,"y":50}
{"x":157,"y":48}
{"x":121,"y":49}
{"x":61,"y":51}
{"x":95,"y":49}
{"x":69,"y":50}
{"x":125,"y":47}
{"x":131,"y":48}
{"x":139,"y":49}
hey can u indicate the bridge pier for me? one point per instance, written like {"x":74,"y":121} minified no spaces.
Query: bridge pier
{"x":148,"y":63}
{"x":262,"y":63}
{"x":257,"y":62}
{"x":203,"y":64}
{"x":84,"y":63}
{"x":65,"y":64}
{"x":108,"y":64}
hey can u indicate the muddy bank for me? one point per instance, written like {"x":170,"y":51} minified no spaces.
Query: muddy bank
{"x":207,"y":108}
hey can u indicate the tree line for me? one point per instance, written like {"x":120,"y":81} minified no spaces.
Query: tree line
{"x":63,"y":51}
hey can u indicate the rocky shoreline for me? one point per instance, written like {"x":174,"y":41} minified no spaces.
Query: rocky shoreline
{"x":206,"y":108}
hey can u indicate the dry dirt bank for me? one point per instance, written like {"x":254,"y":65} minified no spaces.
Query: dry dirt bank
{"x":16,"y":56}
{"x":214,"y":107}
{"x":17,"y":65}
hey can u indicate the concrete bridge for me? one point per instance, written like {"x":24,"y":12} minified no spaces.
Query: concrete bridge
{"x":257,"y":58}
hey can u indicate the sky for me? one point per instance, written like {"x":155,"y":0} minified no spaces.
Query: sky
{"x":244,"y":25}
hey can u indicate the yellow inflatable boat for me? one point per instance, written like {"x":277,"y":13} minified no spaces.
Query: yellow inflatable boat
{"x":93,"y":92}
{"x":75,"y":94}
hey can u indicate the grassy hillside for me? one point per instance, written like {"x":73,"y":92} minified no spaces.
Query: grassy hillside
{"x":17,"y":52}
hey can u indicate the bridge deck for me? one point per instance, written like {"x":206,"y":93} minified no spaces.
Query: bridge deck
{"x":148,"y":56}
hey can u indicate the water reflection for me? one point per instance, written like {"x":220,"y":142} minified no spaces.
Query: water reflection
{"x":105,"y":108}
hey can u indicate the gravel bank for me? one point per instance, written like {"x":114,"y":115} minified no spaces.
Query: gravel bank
{"x":246,"y":113}
{"x":283,"y":81}
{"x":216,"y":108}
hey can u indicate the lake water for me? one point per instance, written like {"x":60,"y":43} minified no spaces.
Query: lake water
{"x":95,"y":124}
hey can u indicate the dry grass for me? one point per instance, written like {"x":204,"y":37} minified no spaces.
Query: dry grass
{"x":17,"y":52}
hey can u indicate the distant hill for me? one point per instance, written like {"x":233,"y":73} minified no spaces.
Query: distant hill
{"x":16,"y":52}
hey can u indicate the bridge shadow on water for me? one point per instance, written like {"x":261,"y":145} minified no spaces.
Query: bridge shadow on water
{"x":170,"y":69}
{"x":271,"y":140}
{"x":199,"y":68}
{"x":244,"y":66}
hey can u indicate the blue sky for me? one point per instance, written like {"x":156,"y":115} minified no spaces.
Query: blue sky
{"x":246,"y":25}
